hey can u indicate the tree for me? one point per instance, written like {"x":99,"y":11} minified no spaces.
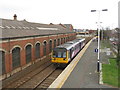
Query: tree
{"x":118,"y":46}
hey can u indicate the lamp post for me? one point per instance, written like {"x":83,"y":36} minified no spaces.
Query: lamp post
{"x":98,"y":62}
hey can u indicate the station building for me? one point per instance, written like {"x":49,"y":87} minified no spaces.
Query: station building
{"x":24,"y":43}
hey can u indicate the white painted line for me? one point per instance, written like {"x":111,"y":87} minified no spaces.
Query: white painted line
{"x":65,"y":74}
{"x":90,"y":73}
{"x":100,"y":78}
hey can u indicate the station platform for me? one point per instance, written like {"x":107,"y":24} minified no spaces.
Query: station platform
{"x":82,"y":71}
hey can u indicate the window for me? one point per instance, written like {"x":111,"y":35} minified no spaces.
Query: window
{"x":44,"y":48}
{"x":68,"y":38}
{"x":54,"y":43}
{"x":37,"y":51}
{"x":64,"y":54}
{"x":59,"y":54}
{"x":15,"y":57}
{"x":64,"y":40}
{"x":58,"y":42}
{"x":50,"y":45}
{"x":28,"y":53}
{"x":61,"y":40}
{"x":2,"y":62}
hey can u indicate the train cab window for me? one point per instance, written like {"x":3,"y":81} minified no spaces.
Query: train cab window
{"x":64,"y":54}
{"x":59,"y":53}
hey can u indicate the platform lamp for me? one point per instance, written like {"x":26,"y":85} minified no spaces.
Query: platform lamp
{"x":98,"y":62}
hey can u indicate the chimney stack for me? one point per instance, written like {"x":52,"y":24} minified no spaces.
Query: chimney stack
{"x":15,"y":17}
{"x":51,"y":24}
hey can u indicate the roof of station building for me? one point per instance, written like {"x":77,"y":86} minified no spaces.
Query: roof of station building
{"x":16,"y":28}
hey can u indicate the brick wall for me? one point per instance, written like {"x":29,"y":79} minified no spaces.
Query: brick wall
{"x":9,"y":45}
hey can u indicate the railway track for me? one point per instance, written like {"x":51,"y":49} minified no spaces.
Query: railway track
{"x":37,"y":78}
{"x":22,"y":80}
{"x":48,"y":80}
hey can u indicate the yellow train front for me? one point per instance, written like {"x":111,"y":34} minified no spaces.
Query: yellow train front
{"x":63,"y":54}
{"x":60,"y":57}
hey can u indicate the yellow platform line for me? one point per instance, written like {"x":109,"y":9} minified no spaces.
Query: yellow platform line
{"x":64,"y":75}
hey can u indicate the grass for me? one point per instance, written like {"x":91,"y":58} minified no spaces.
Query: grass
{"x":110,"y":73}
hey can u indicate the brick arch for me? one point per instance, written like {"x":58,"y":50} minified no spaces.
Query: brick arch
{"x":1,"y":49}
{"x":15,"y":47}
{"x":50,"y":39}
{"x":28,"y":44}
{"x":45,"y":41}
{"x":37,"y":42}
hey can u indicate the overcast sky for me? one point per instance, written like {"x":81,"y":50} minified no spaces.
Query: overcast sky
{"x":75,"y":12}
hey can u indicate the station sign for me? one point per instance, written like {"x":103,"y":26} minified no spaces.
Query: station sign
{"x":96,"y":50}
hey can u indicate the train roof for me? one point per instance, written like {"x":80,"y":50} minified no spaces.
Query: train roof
{"x":70,"y":44}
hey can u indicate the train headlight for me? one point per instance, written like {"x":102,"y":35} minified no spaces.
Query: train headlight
{"x":64,"y":58}
{"x":53,"y":58}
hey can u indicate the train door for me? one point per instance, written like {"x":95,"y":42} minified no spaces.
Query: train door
{"x":71,"y":53}
{"x":80,"y":45}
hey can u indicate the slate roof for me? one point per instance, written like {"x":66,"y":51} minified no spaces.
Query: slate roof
{"x":15,"y":28}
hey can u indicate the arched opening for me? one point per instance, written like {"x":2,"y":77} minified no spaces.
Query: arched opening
{"x":50,"y":45}
{"x":28,"y":53}
{"x":2,"y":62}
{"x":15,"y":57}
{"x":37,"y":50}
{"x":44,"y":48}
{"x":64,"y":40}
{"x":61,"y":40}
{"x":58,"y":42}
{"x":54,"y":43}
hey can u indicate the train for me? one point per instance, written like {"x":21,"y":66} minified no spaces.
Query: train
{"x":63,"y":54}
